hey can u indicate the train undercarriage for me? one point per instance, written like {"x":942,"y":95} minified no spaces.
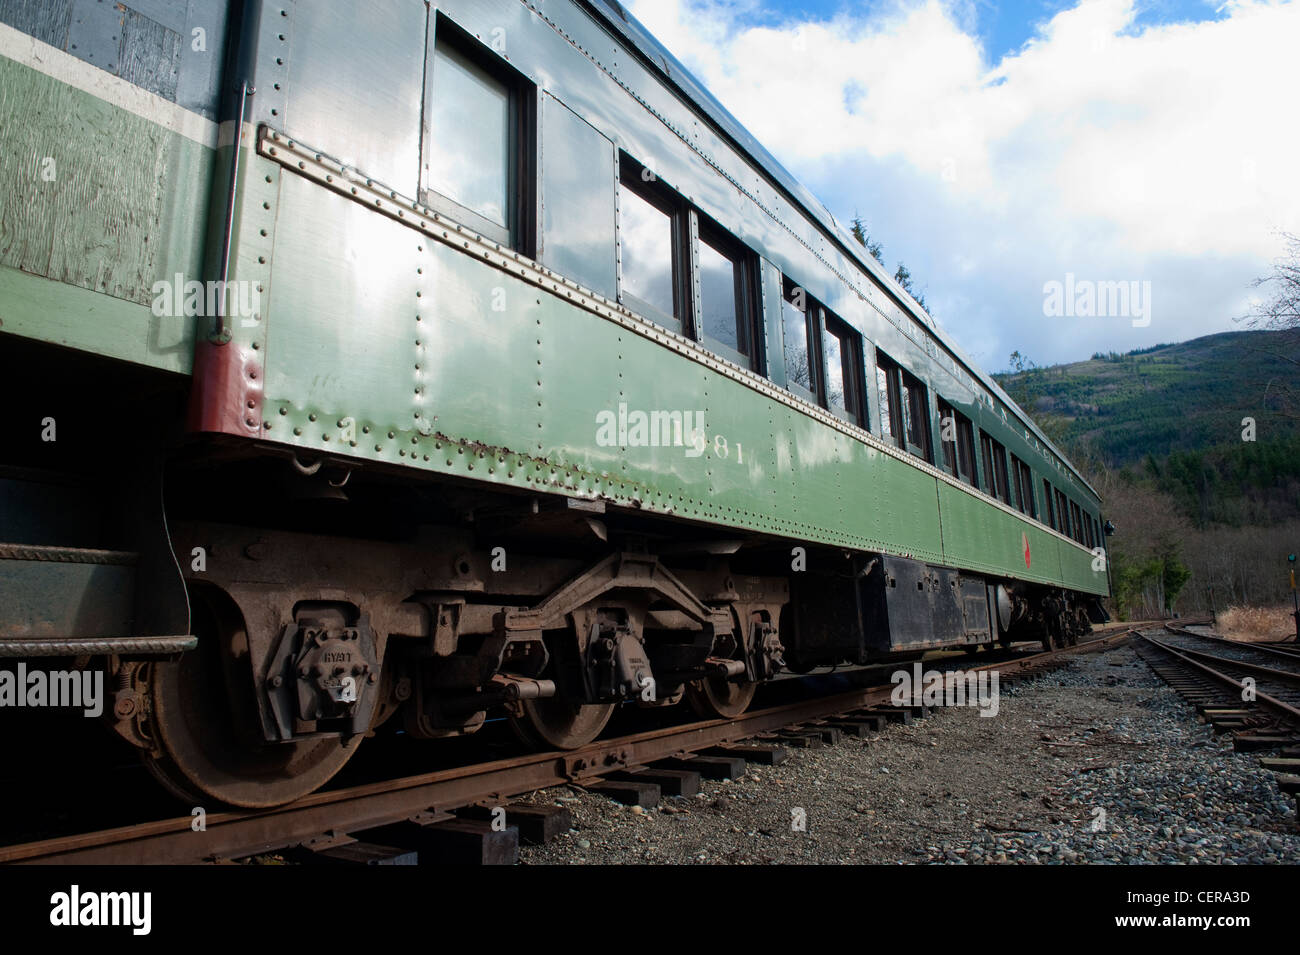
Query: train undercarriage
{"x":322,"y":602}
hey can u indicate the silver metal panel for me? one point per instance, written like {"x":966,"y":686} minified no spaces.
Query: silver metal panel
{"x":769,"y":277}
{"x":172,"y":14}
{"x":578,"y":188}
{"x":357,"y":101}
{"x":95,"y":33}
{"x":346,"y":315}
{"x":199,"y":88}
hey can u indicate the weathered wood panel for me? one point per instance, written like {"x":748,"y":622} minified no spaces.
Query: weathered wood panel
{"x":47,"y":20}
{"x":150,"y":55}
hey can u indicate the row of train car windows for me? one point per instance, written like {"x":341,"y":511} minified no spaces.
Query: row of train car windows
{"x":682,"y":270}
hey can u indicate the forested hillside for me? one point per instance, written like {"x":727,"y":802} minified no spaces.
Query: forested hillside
{"x":1196,"y":448}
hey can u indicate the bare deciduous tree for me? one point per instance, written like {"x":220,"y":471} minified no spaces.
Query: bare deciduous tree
{"x":1279,"y":311}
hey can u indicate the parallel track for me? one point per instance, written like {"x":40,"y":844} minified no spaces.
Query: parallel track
{"x":1267,"y":718}
{"x":1276,"y":688}
{"x":322,"y":818}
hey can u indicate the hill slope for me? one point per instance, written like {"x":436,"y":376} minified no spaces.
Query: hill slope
{"x":1185,"y":397}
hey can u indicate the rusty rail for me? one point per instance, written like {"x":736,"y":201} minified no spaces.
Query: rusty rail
{"x":1288,"y":712}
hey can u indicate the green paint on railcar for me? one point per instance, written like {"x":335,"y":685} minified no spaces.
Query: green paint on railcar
{"x":384,"y":344}
{"x":989,"y":539}
{"x":100,"y":204}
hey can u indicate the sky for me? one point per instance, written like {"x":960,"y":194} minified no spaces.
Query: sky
{"x":1016,"y":155}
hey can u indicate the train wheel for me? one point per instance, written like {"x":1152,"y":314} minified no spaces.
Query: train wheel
{"x":556,"y":723}
{"x":716,"y":698}
{"x":205,"y":720}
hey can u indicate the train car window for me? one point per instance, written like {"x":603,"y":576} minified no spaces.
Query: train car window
{"x":965,"y":449}
{"x":476,"y":164}
{"x":726,"y":299}
{"x":1025,"y":488}
{"x":889,"y":388}
{"x":916,"y":410}
{"x":1049,"y":505}
{"x":650,"y":224}
{"x":1017,"y":492}
{"x":1087,"y":531}
{"x":948,"y":436}
{"x":1000,"y":472}
{"x":1076,"y":522}
{"x":843,"y":363}
{"x":800,"y":368}
{"x":986,"y":457}
{"x":1062,"y":513}
{"x":995,"y":467}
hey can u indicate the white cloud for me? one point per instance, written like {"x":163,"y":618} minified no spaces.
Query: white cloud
{"x":1100,"y":148}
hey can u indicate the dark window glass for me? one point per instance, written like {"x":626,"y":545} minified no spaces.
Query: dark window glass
{"x":645,"y":235}
{"x":1000,"y":472}
{"x":834,"y":356}
{"x":843,"y":359}
{"x":889,"y":385}
{"x":721,"y":309}
{"x":965,"y":450}
{"x":798,"y":353}
{"x":1049,"y":506}
{"x":1076,"y":522}
{"x":1024,"y":487}
{"x":995,"y":468}
{"x":948,"y":436}
{"x":917,"y":409}
{"x":886,"y":403}
{"x":986,"y":459}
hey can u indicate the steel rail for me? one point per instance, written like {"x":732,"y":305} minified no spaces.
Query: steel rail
{"x":1290,"y":712}
{"x":1214,"y":637}
{"x":1282,"y":676}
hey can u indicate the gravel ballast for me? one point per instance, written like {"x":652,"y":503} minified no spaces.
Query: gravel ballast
{"x":1095,"y":762}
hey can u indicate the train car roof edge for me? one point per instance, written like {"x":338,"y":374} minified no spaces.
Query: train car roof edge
{"x":613,"y":15}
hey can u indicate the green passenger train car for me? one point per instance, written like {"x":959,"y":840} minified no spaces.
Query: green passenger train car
{"x":425,"y":363}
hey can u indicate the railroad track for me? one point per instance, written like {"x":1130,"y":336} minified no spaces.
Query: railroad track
{"x":418,"y":811}
{"x":1249,"y":691}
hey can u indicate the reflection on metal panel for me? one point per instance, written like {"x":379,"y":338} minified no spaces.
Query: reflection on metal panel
{"x":773,"y":321}
{"x":360,"y":102}
{"x":345,"y":325}
{"x":578,"y":200}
